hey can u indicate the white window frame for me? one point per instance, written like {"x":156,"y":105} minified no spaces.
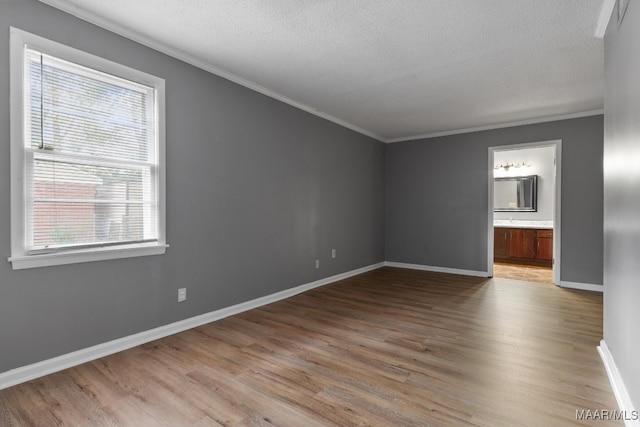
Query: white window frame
{"x":20,"y":258}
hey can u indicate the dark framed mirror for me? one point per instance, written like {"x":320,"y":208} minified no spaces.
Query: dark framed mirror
{"x":515,"y":194}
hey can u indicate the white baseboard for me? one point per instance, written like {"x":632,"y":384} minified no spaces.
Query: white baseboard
{"x":49,"y":366}
{"x":437,"y":269}
{"x":619,"y":389}
{"x":582,"y":286}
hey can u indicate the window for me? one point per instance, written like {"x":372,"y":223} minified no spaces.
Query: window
{"x":87,"y":156}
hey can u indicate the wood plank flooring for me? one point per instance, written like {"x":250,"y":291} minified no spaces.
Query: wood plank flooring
{"x":391,"y":347}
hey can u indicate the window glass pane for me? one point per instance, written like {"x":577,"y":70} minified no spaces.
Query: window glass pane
{"x":84,"y":223}
{"x":91,"y":155}
{"x":56,"y":179}
{"x":76,"y":203}
{"x":77,"y":110}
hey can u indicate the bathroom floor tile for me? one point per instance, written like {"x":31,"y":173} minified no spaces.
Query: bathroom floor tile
{"x":523,"y":272}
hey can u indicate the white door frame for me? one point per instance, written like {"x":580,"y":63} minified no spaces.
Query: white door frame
{"x":557,"y":234}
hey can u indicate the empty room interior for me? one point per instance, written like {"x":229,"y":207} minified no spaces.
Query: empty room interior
{"x":319,"y":212}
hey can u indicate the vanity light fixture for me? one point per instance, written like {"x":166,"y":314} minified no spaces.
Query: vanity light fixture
{"x":507,"y":166}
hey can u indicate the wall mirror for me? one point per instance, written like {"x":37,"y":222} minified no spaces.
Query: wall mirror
{"x":515,"y":194}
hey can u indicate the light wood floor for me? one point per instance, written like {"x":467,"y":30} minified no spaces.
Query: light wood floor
{"x":530,"y":273}
{"x":391,"y":347}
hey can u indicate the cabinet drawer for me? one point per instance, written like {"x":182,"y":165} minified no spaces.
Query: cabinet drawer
{"x":544,"y":234}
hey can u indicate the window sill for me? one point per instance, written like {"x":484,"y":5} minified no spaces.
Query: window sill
{"x":73,"y":257}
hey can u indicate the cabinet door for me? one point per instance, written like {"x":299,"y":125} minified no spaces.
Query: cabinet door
{"x":544,"y":245}
{"x":500,"y":242}
{"x":522,"y":243}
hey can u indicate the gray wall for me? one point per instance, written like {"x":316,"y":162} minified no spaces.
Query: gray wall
{"x":622,"y":197}
{"x":437,"y":201}
{"x":256,"y":191}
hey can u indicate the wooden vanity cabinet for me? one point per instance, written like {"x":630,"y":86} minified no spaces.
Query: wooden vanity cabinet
{"x":501,"y":242}
{"x":544,"y":245}
{"x":523,"y":245}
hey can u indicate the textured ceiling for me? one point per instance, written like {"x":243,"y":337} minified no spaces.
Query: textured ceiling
{"x":390,"y":69}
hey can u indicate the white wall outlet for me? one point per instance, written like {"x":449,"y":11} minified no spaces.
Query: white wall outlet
{"x":317,"y":263}
{"x":333,"y":253}
{"x":182,"y":294}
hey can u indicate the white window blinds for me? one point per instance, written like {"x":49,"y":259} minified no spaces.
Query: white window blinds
{"x":91,"y":157}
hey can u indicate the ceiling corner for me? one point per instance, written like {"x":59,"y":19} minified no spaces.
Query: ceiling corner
{"x":604,"y":17}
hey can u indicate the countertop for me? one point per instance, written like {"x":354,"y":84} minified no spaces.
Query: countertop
{"x":522,"y":224}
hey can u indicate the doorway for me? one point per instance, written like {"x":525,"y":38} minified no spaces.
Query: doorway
{"x":531,"y":218}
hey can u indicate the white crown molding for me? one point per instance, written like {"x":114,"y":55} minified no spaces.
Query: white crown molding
{"x":500,"y":125}
{"x":604,"y":18}
{"x":56,"y":364}
{"x":109,"y":25}
{"x":79,"y":12}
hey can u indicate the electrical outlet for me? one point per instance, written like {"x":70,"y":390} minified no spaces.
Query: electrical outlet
{"x":317,"y":263}
{"x":182,"y":294}
{"x":333,"y":253}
